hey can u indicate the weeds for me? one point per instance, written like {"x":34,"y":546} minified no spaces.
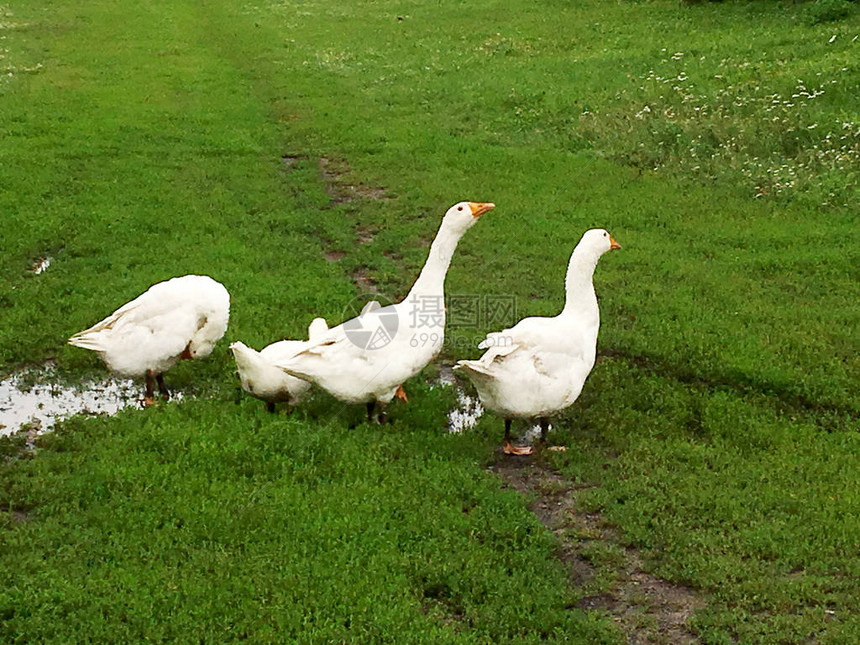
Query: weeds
{"x":777,"y":140}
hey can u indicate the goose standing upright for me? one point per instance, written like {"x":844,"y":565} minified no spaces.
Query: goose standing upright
{"x":538,"y":366}
{"x":365,"y":359}
{"x":260,"y":377}
{"x":179,"y":318}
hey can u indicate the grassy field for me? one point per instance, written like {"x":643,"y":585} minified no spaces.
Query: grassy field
{"x":302,"y":154}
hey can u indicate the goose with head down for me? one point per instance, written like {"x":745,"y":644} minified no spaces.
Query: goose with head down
{"x":365,"y":359}
{"x":260,"y":377}
{"x":179,"y":318}
{"x":538,"y":367}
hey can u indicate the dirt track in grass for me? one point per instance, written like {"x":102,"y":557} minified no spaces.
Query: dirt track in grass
{"x":648,"y":609}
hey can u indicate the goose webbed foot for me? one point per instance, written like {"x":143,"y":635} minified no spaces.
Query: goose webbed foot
{"x":509,"y":448}
{"x":519,"y":451}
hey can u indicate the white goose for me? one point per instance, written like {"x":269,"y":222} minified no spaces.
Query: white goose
{"x":365,"y":359}
{"x":179,"y":318}
{"x":538,"y":366}
{"x":260,"y":377}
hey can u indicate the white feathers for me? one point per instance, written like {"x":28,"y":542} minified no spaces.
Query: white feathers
{"x":366,"y":358}
{"x":260,"y":377}
{"x":538,"y":366}
{"x":181,"y":317}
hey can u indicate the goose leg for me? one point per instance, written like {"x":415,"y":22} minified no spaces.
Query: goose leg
{"x":162,"y":388}
{"x":270,"y":407}
{"x":544,"y":426}
{"x":510,"y":448}
{"x":370,"y":407}
{"x":401,"y":394}
{"x":149,"y":392}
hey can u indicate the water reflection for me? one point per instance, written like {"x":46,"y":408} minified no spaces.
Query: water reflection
{"x":32,"y":399}
{"x":468,"y":410}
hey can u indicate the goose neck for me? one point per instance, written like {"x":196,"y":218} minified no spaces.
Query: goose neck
{"x":431,"y":281}
{"x":580,"y":298}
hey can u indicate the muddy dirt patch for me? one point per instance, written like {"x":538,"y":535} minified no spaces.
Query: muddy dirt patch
{"x":290,"y":161}
{"x":364,"y":235}
{"x":362,"y":280}
{"x":334,"y":256}
{"x":335,"y":172}
{"x":648,"y":609}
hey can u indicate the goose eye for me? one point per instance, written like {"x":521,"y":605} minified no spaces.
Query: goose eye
{"x":459,"y":208}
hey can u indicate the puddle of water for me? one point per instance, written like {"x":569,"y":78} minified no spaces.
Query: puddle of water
{"x":466,"y":414}
{"x":446,"y":376}
{"x":469,"y":409}
{"x":532,"y":435}
{"x":43,"y":404}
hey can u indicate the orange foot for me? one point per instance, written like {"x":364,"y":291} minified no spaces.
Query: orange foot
{"x":521,"y":451}
{"x":148,"y":401}
{"x":401,"y":394}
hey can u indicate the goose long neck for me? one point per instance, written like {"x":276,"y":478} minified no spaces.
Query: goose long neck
{"x":580,"y":299}
{"x":431,"y":281}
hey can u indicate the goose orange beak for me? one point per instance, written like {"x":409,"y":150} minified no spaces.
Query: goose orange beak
{"x":613,"y":245}
{"x":479,"y":208}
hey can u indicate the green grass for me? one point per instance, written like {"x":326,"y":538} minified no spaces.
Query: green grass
{"x":142,"y":143}
{"x":722,"y":491}
{"x":224,"y":523}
